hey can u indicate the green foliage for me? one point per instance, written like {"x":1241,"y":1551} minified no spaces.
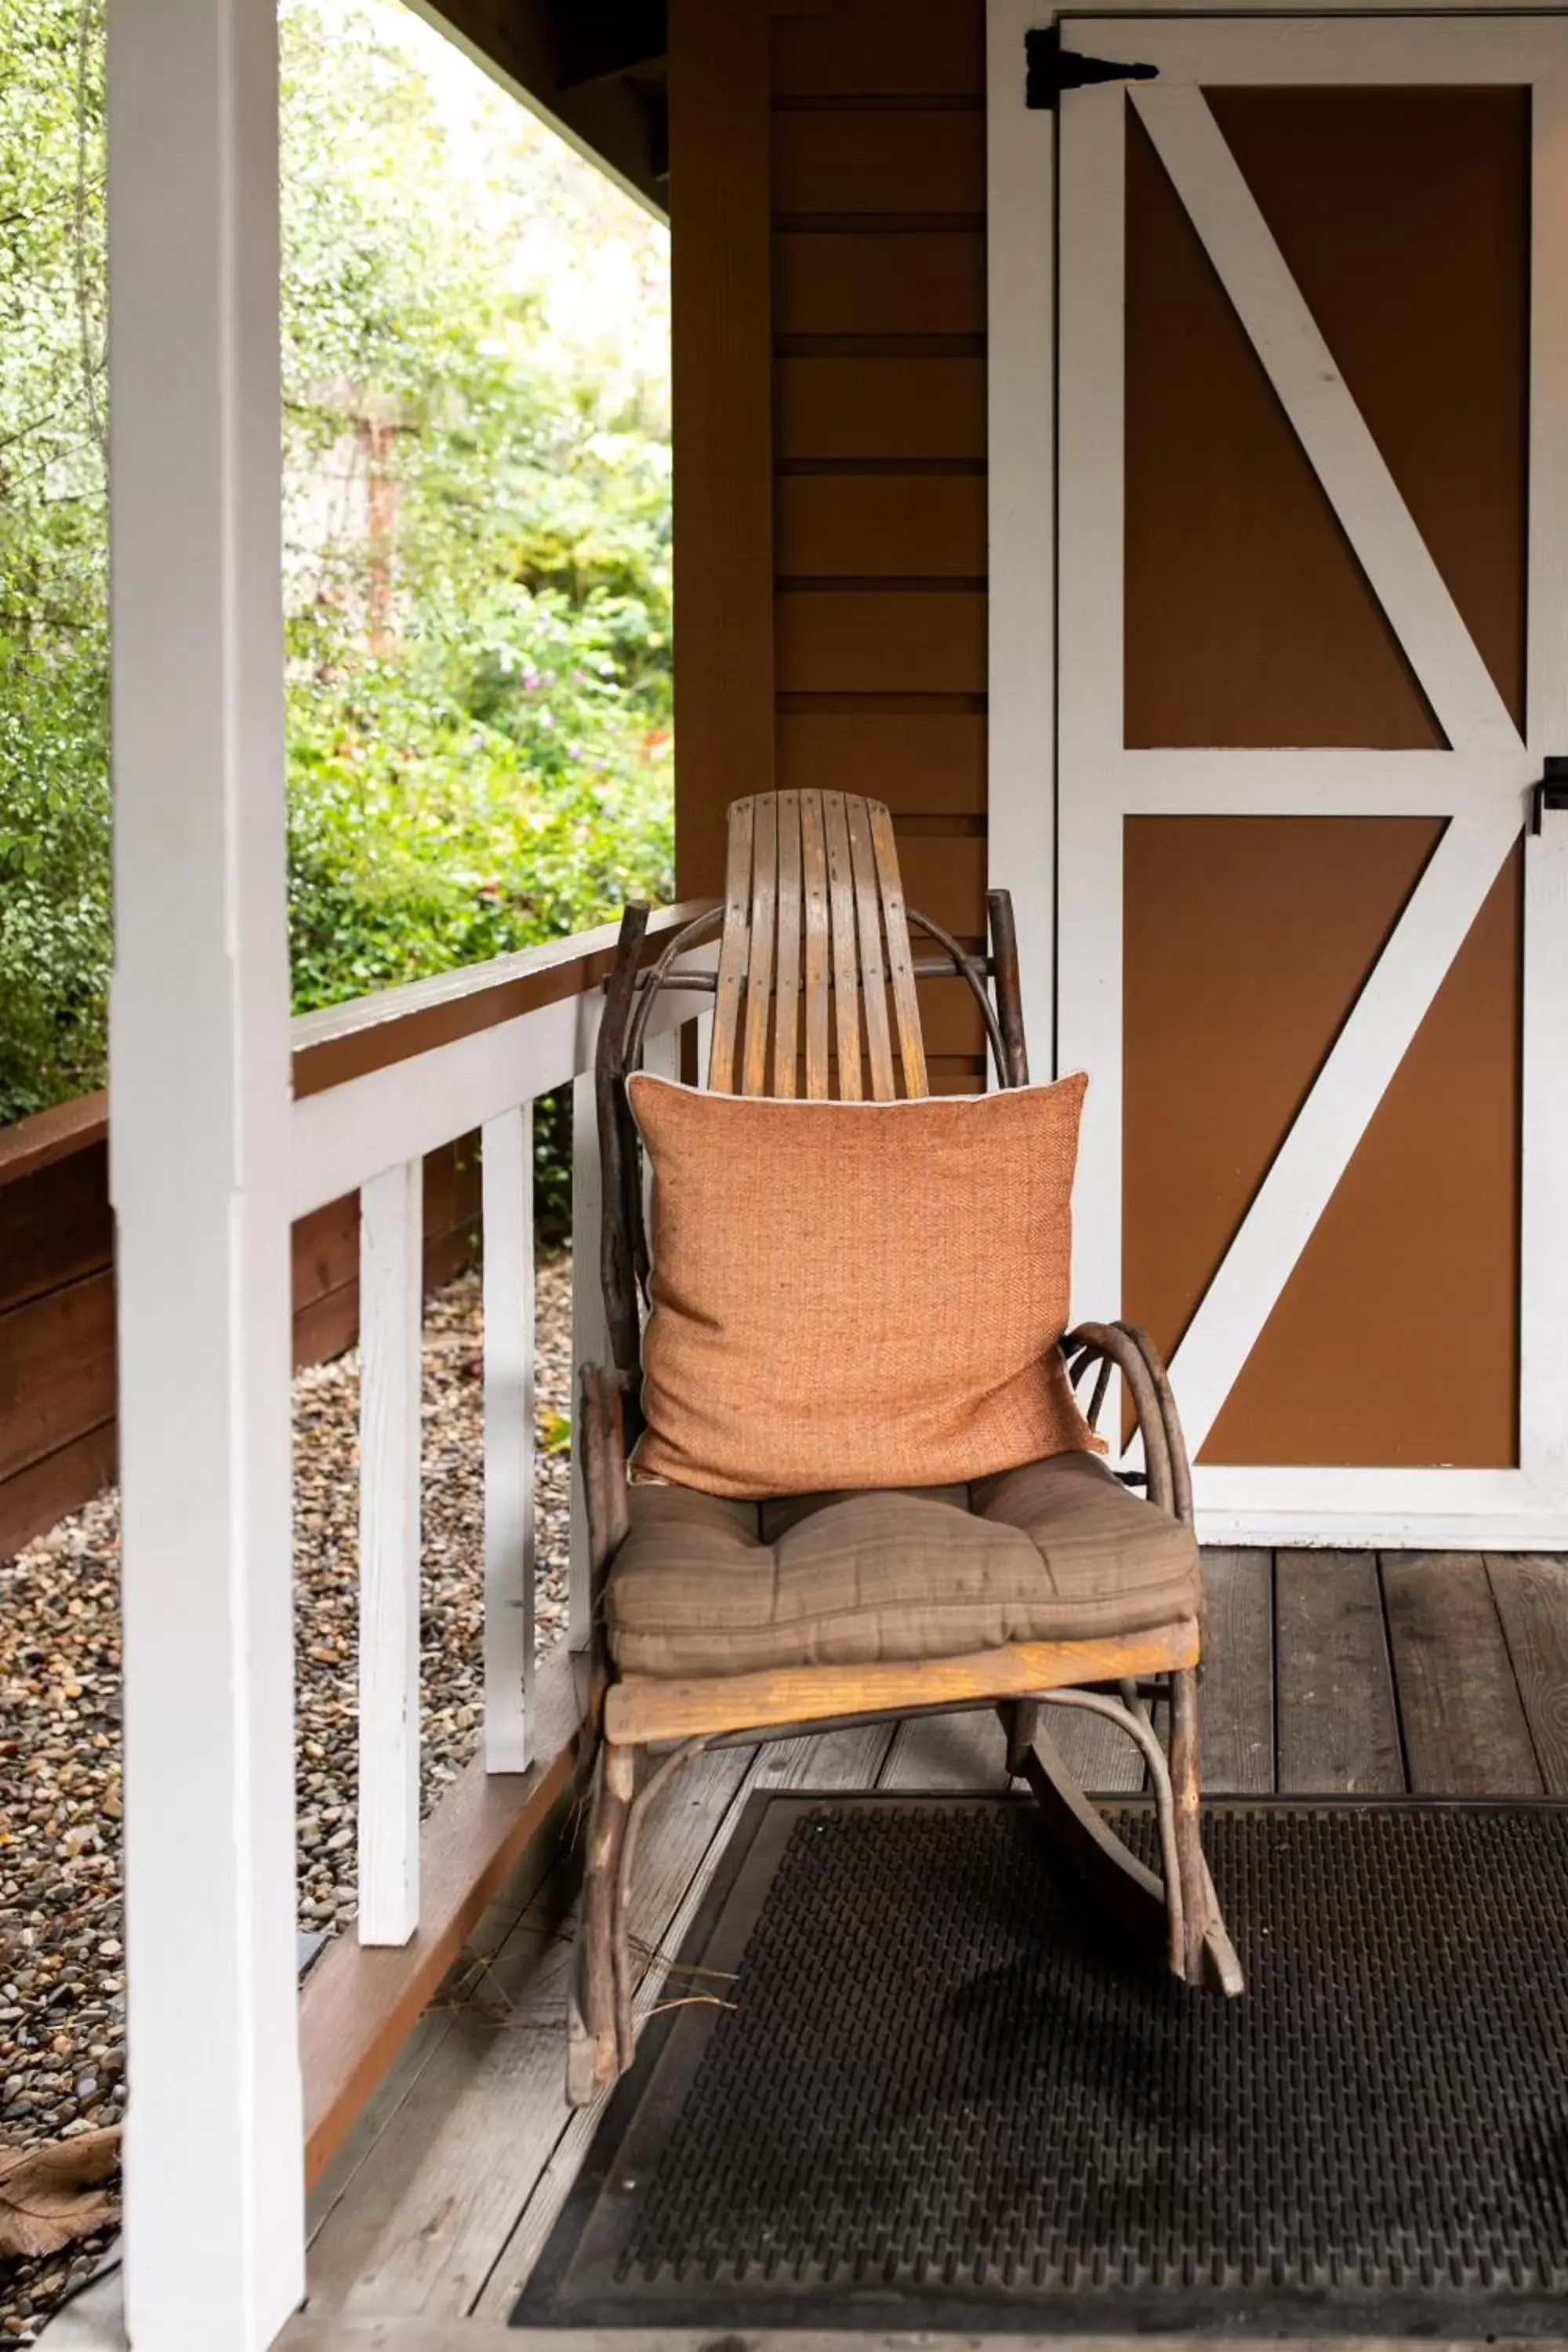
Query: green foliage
{"x":479,"y":736}
{"x":54,"y":814}
{"x":476,"y":516}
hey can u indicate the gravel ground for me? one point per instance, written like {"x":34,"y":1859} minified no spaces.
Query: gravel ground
{"x":61,"y":1983}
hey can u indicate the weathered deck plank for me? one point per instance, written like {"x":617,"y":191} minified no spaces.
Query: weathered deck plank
{"x":1338,"y":1726}
{"x":1462,"y":1717}
{"x":1236,"y":1700}
{"x":329,"y":2332}
{"x":1532,"y":1597}
{"x":947,"y":1751}
{"x":969,"y":1751}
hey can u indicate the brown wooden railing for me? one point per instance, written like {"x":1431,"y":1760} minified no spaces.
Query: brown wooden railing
{"x":58,"y":1374}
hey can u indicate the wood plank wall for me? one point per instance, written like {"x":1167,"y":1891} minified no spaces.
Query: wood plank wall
{"x":872,"y":117}
{"x":57,"y":1382}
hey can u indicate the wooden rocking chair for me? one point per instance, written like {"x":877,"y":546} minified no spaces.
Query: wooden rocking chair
{"x":814,"y":923}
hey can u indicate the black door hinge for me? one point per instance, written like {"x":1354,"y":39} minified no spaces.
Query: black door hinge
{"x":1050,"y":69}
{"x":1551,"y":792}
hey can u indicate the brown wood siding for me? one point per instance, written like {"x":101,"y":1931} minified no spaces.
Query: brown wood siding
{"x":58,"y":1373}
{"x":874,"y":156}
{"x":1249,"y":623}
{"x":929,"y":160}
{"x":879,"y":302}
{"x":932,"y":762}
{"x":721,"y":366}
{"x":880,"y":527}
{"x":852,"y":416}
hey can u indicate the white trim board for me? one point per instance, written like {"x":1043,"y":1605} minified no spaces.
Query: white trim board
{"x":1429,"y":1510}
{"x":1074,"y":704}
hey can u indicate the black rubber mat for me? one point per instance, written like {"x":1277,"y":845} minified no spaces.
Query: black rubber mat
{"x":942,"y":2095}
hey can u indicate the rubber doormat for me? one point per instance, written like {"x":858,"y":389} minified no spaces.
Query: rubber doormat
{"x":942,"y":2095}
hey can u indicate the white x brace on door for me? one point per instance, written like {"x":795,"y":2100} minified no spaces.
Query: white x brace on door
{"x":1480,"y":785}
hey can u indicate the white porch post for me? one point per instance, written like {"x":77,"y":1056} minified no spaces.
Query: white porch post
{"x":200,"y":1110}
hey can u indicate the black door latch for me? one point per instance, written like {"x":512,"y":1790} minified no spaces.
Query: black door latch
{"x":1050,"y":69}
{"x":1551,"y":792}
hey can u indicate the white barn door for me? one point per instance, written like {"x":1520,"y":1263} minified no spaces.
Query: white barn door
{"x":1314,"y":657}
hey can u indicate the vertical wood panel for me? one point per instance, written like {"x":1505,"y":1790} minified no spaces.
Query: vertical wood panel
{"x":509,"y":1440}
{"x":390,"y":1256}
{"x":721,"y":366}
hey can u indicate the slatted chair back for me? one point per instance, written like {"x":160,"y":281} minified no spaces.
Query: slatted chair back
{"x":814,"y":964}
{"x":815,"y":980}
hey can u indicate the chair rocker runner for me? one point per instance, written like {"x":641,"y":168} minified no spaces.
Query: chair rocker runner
{"x":815,"y":992}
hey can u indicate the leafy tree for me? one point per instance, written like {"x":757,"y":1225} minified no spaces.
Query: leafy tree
{"x":54,"y":799}
{"x":477,"y":524}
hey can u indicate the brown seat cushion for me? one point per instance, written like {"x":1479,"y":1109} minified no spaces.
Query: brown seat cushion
{"x":706,"y":1584}
{"x":856,"y":1294}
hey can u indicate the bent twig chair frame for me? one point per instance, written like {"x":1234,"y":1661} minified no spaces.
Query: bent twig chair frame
{"x":814,"y":924}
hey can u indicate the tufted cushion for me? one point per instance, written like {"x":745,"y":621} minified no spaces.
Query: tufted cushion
{"x":856,"y":1295}
{"x":708,"y":1584}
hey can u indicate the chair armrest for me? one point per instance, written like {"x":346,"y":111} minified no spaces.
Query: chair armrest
{"x":1133,"y":1354}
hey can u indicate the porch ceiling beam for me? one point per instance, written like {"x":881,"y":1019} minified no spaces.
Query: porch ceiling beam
{"x":617,"y":37}
{"x":572,"y":65}
{"x":199,"y":1083}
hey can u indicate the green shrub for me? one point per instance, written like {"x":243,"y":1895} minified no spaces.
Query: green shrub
{"x":478,"y":683}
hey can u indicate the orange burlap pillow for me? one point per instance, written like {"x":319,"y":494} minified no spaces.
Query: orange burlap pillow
{"x":857,"y":1293}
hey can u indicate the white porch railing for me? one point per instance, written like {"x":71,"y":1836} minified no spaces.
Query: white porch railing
{"x":371,"y":1133}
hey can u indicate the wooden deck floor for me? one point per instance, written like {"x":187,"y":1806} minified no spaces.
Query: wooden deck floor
{"x":1422,"y":1673}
